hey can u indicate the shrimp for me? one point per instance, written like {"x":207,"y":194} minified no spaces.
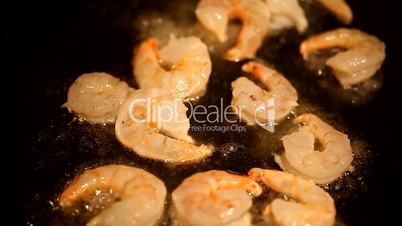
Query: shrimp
{"x":363,"y":58}
{"x":215,"y":198}
{"x":141,"y":194}
{"x":252,"y":103}
{"x":313,"y":205}
{"x":324,"y":166}
{"x":255,"y":15}
{"x":97,"y":97}
{"x":188,"y":61}
{"x":340,"y":8}
{"x":287,"y":13}
{"x":154,"y":125}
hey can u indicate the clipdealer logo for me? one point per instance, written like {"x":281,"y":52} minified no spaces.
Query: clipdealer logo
{"x":211,"y":118}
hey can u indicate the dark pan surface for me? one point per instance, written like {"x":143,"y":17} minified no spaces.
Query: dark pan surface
{"x":69,"y":38}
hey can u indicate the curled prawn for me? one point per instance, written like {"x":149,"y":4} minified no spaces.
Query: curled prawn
{"x":253,"y":104}
{"x":142,"y":195}
{"x":183,"y":66}
{"x":312,"y":205}
{"x":154,"y":124}
{"x":362,"y":59}
{"x":340,"y":8}
{"x":215,"y":198}
{"x":254,"y":14}
{"x":97,"y":97}
{"x":301,"y":157}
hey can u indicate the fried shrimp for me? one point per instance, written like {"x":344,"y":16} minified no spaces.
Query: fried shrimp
{"x":362,"y":59}
{"x":254,"y":14}
{"x":321,"y":166}
{"x":312,"y":205}
{"x":153,"y":123}
{"x":253,"y":104}
{"x":183,"y":66}
{"x":97,"y":97}
{"x":141,"y":194}
{"x":215,"y":198}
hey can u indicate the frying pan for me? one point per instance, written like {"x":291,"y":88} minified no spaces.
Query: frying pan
{"x":60,"y":40}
